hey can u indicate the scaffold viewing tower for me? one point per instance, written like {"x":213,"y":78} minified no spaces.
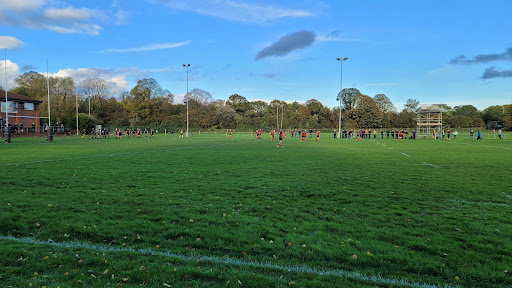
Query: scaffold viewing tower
{"x":429,"y":117}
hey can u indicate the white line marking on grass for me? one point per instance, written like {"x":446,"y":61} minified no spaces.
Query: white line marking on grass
{"x":405,"y":154}
{"x":435,"y":166}
{"x":118,"y":154}
{"x":479,"y":203}
{"x":509,"y":196}
{"x":230,"y":261}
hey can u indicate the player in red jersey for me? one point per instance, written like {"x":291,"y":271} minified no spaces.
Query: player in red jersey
{"x":230,"y":136}
{"x":317,"y":136}
{"x":304,"y":136}
{"x":272,"y":133}
{"x":280,"y":139}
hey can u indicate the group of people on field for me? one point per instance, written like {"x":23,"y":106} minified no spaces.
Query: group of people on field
{"x":135,"y":133}
{"x":96,"y":134}
{"x":282,"y":135}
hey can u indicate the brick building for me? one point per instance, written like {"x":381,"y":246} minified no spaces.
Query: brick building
{"x":22,"y":111}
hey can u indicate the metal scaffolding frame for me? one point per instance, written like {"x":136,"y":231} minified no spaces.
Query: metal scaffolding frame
{"x":429,"y":118}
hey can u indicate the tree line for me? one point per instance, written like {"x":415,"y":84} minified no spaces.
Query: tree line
{"x":147,"y":104}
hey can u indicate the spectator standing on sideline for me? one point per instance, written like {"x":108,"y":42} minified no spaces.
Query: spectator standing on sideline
{"x":471,"y":134}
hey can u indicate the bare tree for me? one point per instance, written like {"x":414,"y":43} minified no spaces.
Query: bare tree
{"x":411,"y":105}
{"x":201,"y":96}
{"x":95,"y":88}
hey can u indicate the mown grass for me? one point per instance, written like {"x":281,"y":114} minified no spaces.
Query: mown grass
{"x":435,"y":212}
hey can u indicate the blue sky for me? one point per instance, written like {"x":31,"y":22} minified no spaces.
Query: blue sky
{"x":453,"y":52}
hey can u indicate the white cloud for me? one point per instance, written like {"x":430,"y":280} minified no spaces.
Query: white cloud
{"x":90,"y":29}
{"x":9,"y":42}
{"x":116,"y":78}
{"x":56,"y":16}
{"x":21,"y":5}
{"x":149,"y":47}
{"x":69,"y":13}
{"x":179,"y":98}
{"x":11,"y":71}
{"x":235,"y":10}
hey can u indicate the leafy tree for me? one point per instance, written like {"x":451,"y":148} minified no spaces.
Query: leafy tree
{"x":507,"y":119}
{"x":350,"y":97}
{"x":367,"y":114}
{"x":258,"y":108}
{"x":494,"y":113}
{"x":460,"y":121}
{"x":31,"y":84}
{"x":404,"y":119}
{"x":239,"y":103}
{"x":225,"y":117}
{"x":314,"y":106}
{"x":384,"y":103}
{"x":147,"y":88}
{"x":145,"y":99}
{"x":112,"y":112}
{"x":62,"y":97}
{"x":467,"y":110}
{"x":84,"y":122}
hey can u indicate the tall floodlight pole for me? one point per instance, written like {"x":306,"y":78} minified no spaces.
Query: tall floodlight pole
{"x":339,"y":95}
{"x":48,"y":85}
{"x":6,"y":108}
{"x":186,"y":95}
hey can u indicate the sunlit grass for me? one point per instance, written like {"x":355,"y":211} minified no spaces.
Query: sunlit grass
{"x":425,"y":211}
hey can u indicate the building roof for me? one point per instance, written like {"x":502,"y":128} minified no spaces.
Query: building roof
{"x":17,"y":97}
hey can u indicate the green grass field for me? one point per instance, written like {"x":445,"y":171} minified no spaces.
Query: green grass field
{"x":205,"y":211}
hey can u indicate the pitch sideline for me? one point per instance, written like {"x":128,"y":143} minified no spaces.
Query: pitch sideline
{"x":228,"y":261}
